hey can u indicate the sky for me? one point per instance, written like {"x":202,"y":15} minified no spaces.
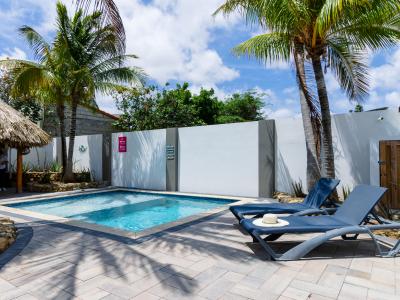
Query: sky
{"x":179,"y":40}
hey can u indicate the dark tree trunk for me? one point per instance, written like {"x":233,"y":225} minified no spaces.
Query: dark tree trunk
{"x":311,"y":137}
{"x":61,"y":118}
{"x":69,"y":174}
{"x":328,"y":159}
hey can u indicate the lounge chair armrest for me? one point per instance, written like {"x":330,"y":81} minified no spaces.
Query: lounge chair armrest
{"x":386,"y":226}
{"x":312,"y":211}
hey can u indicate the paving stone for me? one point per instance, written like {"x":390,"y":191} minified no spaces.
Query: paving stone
{"x":333,"y":277}
{"x":196,"y":263}
{"x":5,"y":286}
{"x":119,"y":289}
{"x":26,"y":297}
{"x":352,"y":292}
{"x":94,"y":294}
{"x":379,"y":295}
{"x":146,"y":296}
{"x":315,"y":288}
{"x":294,"y":293}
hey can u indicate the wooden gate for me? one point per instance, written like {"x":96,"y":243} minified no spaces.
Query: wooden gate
{"x":389,"y":161}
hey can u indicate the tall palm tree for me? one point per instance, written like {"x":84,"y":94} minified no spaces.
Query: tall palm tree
{"x":94,"y":63}
{"x":334,"y":33}
{"x":43,"y":78}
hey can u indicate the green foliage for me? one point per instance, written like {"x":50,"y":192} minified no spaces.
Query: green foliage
{"x":83,"y":175}
{"x":243,"y":107}
{"x":175,"y":108}
{"x":46,"y":178}
{"x":150,"y":108}
{"x":298,"y":189}
{"x":359,"y":108}
{"x":28,"y":106}
{"x":54,"y":167}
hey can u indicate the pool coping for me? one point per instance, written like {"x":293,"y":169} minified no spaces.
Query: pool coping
{"x":167,"y":227}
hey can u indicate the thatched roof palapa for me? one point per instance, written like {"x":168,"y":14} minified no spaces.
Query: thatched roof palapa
{"x":18,"y":131}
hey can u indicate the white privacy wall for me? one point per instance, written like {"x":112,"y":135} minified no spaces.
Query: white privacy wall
{"x":88,"y":158}
{"x":144,"y":163}
{"x":38,"y":157}
{"x":87,"y":154}
{"x":356,"y":139}
{"x":219,"y":159}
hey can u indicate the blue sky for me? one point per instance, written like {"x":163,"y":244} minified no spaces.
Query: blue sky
{"x":178,"y":40}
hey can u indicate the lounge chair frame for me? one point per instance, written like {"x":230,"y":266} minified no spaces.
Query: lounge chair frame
{"x":307,"y":246}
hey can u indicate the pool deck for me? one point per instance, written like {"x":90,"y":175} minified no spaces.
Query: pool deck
{"x":205,"y":259}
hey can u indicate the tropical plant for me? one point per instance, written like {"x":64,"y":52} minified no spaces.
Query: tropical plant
{"x":148,"y":108}
{"x":44,"y":78}
{"x":30,"y":107}
{"x":243,"y":106}
{"x":334,"y":34}
{"x":110,"y":15}
{"x":298,"y":189}
{"x":92,"y":60}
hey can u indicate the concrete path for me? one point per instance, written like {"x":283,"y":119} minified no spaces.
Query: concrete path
{"x":208,"y":260}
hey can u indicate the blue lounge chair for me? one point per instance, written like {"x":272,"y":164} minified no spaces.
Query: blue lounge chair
{"x":315,"y":198}
{"x":348,"y":219}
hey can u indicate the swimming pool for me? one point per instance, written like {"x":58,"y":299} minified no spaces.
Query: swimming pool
{"x":133,"y":211}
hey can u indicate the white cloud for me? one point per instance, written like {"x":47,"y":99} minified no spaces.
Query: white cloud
{"x":15,"y":53}
{"x":172,"y":42}
{"x":385,"y":83}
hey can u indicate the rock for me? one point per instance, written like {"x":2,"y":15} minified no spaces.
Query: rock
{"x":8,"y":233}
{"x":4,"y":242}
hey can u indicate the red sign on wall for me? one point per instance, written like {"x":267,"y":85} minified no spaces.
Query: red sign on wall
{"x":122,"y":144}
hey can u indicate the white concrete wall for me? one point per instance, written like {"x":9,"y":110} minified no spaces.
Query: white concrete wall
{"x":220,"y":159}
{"x":144,"y":164}
{"x":90,"y":159}
{"x":90,"y":156}
{"x":356,"y":139}
{"x":38,"y":157}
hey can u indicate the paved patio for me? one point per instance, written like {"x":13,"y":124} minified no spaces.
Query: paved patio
{"x":207,"y":260}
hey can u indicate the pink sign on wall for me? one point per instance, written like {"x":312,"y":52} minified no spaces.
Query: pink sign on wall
{"x":122,"y":144}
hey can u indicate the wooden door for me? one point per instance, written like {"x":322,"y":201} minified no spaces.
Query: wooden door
{"x":389,"y":162}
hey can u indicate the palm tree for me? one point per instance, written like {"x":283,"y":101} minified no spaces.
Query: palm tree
{"x":94,"y":64}
{"x":110,"y":15}
{"x":43,"y":78}
{"x":334,"y":33}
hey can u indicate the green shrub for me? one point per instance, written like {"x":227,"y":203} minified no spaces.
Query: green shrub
{"x":83,"y":176}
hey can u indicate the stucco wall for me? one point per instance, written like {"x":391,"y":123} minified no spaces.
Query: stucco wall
{"x":144,"y":163}
{"x":356,"y":138}
{"x":220,"y":159}
{"x":90,"y":158}
{"x":88,"y":154}
{"x":38,"y":157}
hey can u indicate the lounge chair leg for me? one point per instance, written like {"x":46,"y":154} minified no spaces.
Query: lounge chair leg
{"x":349,"y":238}
{"x":272,"y":237}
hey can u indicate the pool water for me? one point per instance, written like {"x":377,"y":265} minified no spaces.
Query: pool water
{"x":126,"y":210}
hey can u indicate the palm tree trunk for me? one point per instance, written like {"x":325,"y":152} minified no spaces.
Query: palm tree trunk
{"x":61,"y":119}
{"x":328,"y":159}
{"x":69,"y":175}
{"x":313,"y":168}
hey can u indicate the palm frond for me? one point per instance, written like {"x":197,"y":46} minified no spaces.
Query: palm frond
{"x":267,"y":47}
{"x":349,"y":68}
{"x":123,"y":75}
{"x":38,"y":43}
{"x":110,"y":14}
